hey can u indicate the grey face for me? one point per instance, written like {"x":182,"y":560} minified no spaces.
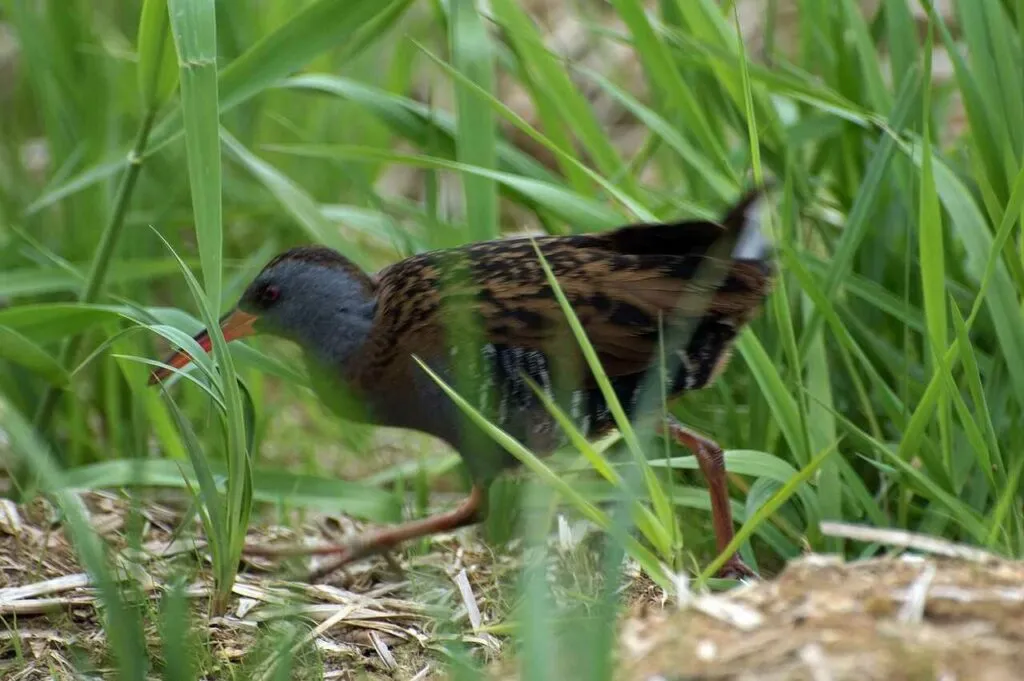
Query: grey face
{"x":324,"y":309}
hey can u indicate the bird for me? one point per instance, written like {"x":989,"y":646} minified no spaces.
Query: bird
{"x":485,"y":314}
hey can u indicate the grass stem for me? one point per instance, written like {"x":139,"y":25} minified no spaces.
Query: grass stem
{"x":100,"y":266}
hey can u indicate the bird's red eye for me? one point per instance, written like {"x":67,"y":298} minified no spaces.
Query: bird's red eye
{"x":271,"y":294}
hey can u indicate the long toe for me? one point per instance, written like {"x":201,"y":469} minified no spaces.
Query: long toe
{"x":343,"y":558}
{"x":735,"y":568}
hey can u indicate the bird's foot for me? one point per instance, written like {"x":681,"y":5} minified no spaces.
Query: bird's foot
{"x":383,"y":540}
{"x":351,"y":551}
{"x":318,"y":574}
{"x":735,"y":568}
{"x":356,"y":548}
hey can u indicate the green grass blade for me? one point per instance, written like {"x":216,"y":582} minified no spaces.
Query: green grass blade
{"x":664,"y":76}
{"x":176,"y":634}
{"x":208,"y":497}
{"x":781,"y":402}
{"x":195,"y":36}
{"x":654,"y":528}
{"x":902,"y":40}
{"x":574,"y":112}
{"x":655,"y":490}
{"x":641,"y":212}
{"x":317,"y":27}
{"x":239,"y":480}
{"x":296,"y":202}
{"x":973,"y":233}
{"x":157,"y":72}
{"x":17,"y":348}
{"x":932,"y":253}
{"x":362,"y":499}
{"x":982,"y":409}
{"x":583,"y":212}
{"x":429,"y":129}
{"x":1004,"y":507}
{"x":646,"y":559}
{"x":721,"y":185}
{"x":472,"y":56}
{"x":122,"y":626}
{"x":858,"y":221}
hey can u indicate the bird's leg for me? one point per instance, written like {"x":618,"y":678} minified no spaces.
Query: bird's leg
{"x":711,"y":460}
{"x":380,"y":541}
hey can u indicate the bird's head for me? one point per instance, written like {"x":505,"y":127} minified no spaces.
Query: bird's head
{"x":311,"y":295}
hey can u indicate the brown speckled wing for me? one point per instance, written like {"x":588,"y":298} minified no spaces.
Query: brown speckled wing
{"x":620,"y":283}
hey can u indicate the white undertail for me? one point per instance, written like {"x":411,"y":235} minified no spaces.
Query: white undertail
{"x":753,"y":243}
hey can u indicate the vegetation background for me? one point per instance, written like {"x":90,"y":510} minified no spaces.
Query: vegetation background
{"x":154,"y":154}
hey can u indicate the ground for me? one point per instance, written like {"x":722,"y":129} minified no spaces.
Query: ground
{"x":907,"y":617}
{"x":899,"y":619}
{"x":359,"y":625}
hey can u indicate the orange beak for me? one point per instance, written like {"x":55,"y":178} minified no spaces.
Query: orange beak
{"x":235,"y":324}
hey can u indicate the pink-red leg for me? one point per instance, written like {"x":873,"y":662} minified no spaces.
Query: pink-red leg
{"x":711,"y":460}
{"x":381,"y":541}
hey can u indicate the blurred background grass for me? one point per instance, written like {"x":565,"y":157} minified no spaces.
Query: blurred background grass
{"x":894,"y":342}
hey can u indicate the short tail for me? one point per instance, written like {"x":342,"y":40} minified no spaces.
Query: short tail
{"x":738,"y":233}
{"x":746,"y":221}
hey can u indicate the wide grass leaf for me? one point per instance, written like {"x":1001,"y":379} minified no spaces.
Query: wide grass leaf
{"x":472,"y":56}
{"x":157,"y":72}
{"x":580,"y":211}
{"x":17,"y":348}
{"x":270,"y":485}
{"x":317,"y":27}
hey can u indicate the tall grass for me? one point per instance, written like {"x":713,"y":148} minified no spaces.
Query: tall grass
{"x":883,"y":384}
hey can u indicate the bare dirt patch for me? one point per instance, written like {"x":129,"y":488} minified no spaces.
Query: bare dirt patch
{"x":903,"y":618}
